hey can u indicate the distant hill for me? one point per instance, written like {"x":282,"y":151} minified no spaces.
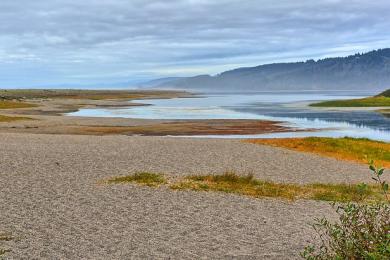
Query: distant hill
{"x":361,"y":72}
{"x":385,"y":93}
{"x":159,"y":82}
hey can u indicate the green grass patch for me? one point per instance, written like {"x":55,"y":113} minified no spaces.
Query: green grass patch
{"x":360,"y":150}
{"x":9,"y":94}
{"x":13,"y":118}
{"x":143,"y":178}
{"x":249,"y":186}
{"x":15,"y":104}
{"x":378,"y":101}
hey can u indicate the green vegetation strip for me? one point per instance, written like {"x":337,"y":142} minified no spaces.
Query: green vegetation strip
{"x":360,"y":150}
{"x":249,"y":186}
{"x":13,"y":118}
{"x":381,"y":100}
{"x":11,"y":94}
{"x":14,"y":104}
{"x":378,"y":101}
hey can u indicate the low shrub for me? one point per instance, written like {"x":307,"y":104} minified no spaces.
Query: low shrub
{"x":362,"y":230}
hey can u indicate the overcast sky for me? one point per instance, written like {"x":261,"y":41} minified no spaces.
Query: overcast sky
{"x":54,"y":42}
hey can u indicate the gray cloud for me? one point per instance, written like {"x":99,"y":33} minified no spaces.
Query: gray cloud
{"x":55,"y":41}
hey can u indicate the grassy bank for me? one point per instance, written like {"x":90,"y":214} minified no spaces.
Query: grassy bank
{"x":352,"y":149}
{"x":363,"y":102}
{"x":381,"y":100}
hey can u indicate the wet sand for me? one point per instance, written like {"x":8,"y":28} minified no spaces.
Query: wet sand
{"x":47,"y":116}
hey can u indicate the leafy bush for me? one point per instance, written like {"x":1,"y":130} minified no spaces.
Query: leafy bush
{"x":362,"y":232}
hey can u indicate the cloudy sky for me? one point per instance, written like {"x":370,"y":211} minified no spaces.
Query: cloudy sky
{"x":56,"y":42}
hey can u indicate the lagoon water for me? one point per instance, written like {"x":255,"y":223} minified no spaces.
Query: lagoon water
{"x":290,"y":108}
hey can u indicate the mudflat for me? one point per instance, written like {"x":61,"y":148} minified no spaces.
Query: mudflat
{"x":42,"y":111}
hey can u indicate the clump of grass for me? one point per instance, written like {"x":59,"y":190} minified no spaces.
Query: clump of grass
{"x":14,"y":104}
{"x":143,"y":178}
{"x":4,"y":251}
{"x":359,"y":150}
{"x":5,"y":237}
{"x":12,"y":118}
{"x":378,"y":101}
{"x":249,"y":186}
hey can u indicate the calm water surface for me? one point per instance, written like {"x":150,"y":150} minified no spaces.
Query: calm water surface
{"x":290,"y":108}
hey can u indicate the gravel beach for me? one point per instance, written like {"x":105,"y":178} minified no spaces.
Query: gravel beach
{"x":54,"y":207}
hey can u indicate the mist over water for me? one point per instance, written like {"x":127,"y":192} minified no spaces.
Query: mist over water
{"x":290,"y":108}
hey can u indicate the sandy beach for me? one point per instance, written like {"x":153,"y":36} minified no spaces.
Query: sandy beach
{"x":55,"y":203}
{"x":55,"y":208}
{"x":152,"y":129}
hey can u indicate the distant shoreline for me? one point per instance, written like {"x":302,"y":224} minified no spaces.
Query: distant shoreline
{"x":46,"y":109}
{"x":379,"y":103}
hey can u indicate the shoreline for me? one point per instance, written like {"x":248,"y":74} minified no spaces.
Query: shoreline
{"x":48,"y":117}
